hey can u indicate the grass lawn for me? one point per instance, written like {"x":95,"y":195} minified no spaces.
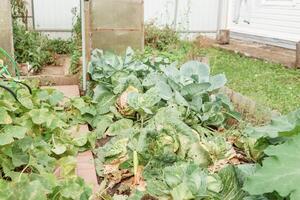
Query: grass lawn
{"x":268,"y":84}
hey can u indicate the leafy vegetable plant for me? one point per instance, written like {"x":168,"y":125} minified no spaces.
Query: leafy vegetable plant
{"x":31,"y":47}
{"x":279,"y":170}
{"x":37,"y":148}
{"x":157,"y":126}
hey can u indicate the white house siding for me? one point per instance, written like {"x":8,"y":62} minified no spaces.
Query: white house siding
{"x":159,"y":11}
{"x":192,"y":15}
{"x":275,"y":22}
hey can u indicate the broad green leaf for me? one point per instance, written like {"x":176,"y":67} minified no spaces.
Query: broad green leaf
{"x":124,"y":83}
{"x":279,"y":172}
{"x":165,"y":92}
{"x":189,"y":181}
{"x":67,"y":166}
{"x":129,"y":55}
{"x":119,"y":127}
{"x":144,"y":101}
{"x":180,"y":100}
{"x":83,"y":107}
{"x":25,"y":99}
{"x":19,"y":158}
{"x":43,"y":95}
{"x":194,"y":89}
{"x":199,"y":155}
{"x":115,"y":147}
{"x":11,"y":132}
{"x":232,"y":188}
{"x":196,"y":71}
{"x":81,"y":140}
{"x":71,"y":190}
{"x":5,"y":139}
{"x":102,"y":123}
{"x":287,"y":125}
{"x":152,"y":79}
{"x":196,"y":103}
{"x":56,"y":97}
{"x":34,"y":190}
{"x":59,"y":149}
{"x":105,"y":101}
{"x":4,"y":117}
{"x":217,"y":82}
{"x":173,"y":73}
{"x":99,"y":90}
{"x":8,"y":105}
{"x":39,"y":116}
{"x":182,"y":192}
{"x":15,"y":131}
{"x":158,"y":188}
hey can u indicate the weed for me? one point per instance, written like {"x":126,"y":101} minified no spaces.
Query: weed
{"x":160,"y":38}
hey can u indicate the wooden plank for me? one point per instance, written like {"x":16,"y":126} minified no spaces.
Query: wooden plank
{"x":298,"y":55}
{"x":223,"y":37}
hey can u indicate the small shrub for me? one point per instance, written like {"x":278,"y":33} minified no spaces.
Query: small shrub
{"x":160,"y":38}
{"x":61,"y":46}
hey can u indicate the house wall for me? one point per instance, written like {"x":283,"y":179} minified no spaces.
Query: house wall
{"x":275,"y":22}
{"x":192,"y":15}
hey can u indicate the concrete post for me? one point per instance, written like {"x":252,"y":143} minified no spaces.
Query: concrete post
{"x":298,"y":55}
{"x":223,"y":36}
{"x":6,"y":33}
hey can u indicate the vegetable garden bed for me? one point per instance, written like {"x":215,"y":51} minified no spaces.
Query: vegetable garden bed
{"x":57,"y":74}
{"x":158,"y":131}
{"x":164,"y":132}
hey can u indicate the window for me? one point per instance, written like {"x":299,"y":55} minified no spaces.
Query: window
{"x":279,"y":2}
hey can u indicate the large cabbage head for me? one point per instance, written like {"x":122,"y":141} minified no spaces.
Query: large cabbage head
{"x":122,"y":102}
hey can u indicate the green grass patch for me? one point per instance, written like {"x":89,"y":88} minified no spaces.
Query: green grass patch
{"x":268,"y":84}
